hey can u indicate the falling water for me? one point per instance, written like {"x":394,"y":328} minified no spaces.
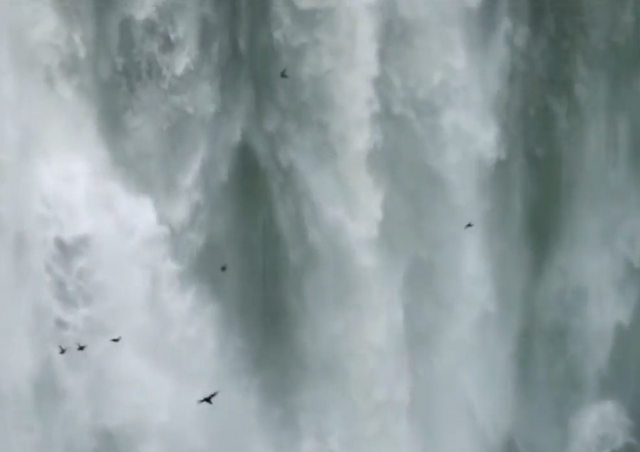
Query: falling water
{"x":144,"y":144}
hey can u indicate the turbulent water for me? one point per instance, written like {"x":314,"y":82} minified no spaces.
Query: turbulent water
{"x":144,"y":144}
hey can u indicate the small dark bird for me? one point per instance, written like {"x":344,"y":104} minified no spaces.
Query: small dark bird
{"x":81,"y":347}
{"x":468,"y":225}
{"x":208,"y":398}
{"x":223,"y":268}
{"x":283,"y":74}
{"x":62,"y":350}
{"x":116,"y":339}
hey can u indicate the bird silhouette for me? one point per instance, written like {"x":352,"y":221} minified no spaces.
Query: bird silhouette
{"x":81,"y":347}
{"x":62,"y":350}
{"x":208,"y":398}
{"x":223,"y":268}
{"x":116,"y":339}
{"x":283,"y":74}
{"x":468,"y":225}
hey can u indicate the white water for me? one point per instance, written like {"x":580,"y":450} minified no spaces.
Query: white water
{"x":143,"y":144}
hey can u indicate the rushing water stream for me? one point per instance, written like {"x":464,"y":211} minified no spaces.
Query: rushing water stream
{"x":145,"y":144}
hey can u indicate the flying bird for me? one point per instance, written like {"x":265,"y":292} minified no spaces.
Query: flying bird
{"x":62,"y":350}
{"x":468,"y":225}
{"x":116,"y":339}
{"x":283,"y":74}
{"x":81,"y":347}
{"x":208,"y":398}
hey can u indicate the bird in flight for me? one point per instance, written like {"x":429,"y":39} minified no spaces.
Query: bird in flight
{"x":283,"y":74}
{"x":81,"y":347}
{"x":468,"y":225}
{"x":208,"y":398}
{"x":116,"y":339}
{"x":62,"y":349}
